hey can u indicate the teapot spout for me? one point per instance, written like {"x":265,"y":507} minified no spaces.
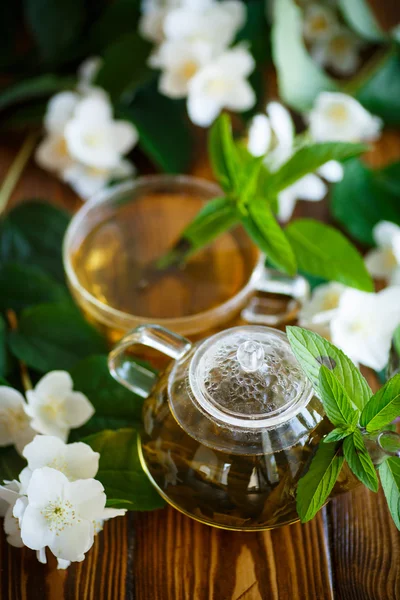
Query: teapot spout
{"x":383,"y":445}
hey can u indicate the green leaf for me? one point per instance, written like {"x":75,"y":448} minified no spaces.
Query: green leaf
{"x":312,"y":351}
{"x":115,"y":405}
{"x":54,"y":336}
{"x":360,"y":461}
{"x":308,"y":159}
{"x":148,"y":113}
{"x":54,"y":25}
{"x":374,"y":197}
{"x":361,"y":19}
{"x":32,"y":234}
{"x":11,"y":463}
{"x":42,"y":86}
{"x":3,"y":348}
{"x":300,"y":79}
{"x":337,"y":434}
{"x":337,"y":403}
{"x":389,"y":473}
{"x":119,"y":75}
{"x":381,"y":92}
{"x":323,"y":251}
{"x":126,"y":484}
{"x":315,"y":486}
{"x":223,"y":153}
{"x":117,"y":19}
{"x":383,"y":407}
{"x":24,"y":285}
{"x":264,"y":230}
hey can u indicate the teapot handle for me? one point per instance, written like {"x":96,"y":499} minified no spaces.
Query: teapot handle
{"x":133,"y":375}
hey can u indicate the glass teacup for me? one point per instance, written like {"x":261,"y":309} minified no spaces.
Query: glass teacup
{"x":114,"y":240}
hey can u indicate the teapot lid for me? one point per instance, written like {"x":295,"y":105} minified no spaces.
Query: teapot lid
{"x":248,"y":377}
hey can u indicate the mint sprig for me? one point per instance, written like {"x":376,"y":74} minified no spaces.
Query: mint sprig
{"x":251,"y":199}
{"x":353,"y":410}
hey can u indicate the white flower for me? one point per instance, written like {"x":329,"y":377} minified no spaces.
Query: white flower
{"x":87,"y":181}
{"x":60,"y":513}
{"x":76,"y":460}
{"x":207,"y":21}
{"x":318,"y":22}
{"x":52,"y":154}
{"x":9,"y":494}
{"x":274,"y":136}
{"x":15,"y":426}
{"x":87,"y":73}
{"x":55,"y":408}
{"x":151,"y":24}
{"x":339,"y":117}
{"x":94,"y":138}
{"x":180,"y":62}
{"x":221,"y":84}
{"x":60,"y":110}
{"x":317,"y":313}
{"x":364,"y":324}
{"x":384,"y":261}
{"x":331,"y":171}
{"x":340,"y":51}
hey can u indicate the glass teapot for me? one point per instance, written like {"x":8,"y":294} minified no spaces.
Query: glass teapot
{"x":229,"y":427}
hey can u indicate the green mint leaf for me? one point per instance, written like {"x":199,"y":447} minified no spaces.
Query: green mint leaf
{"x":375,"y":197}
{"x":125,"y":483}
{"x":314,"y":488}
{"x":323,"y":251}
{"x":223,"y":153}
{"x":383,"y":407}
{"x":312,"y":351}
{"x":306,"y":160}
{"x":360,"y":461}
{"x":54,"y":336}
{"x":337,"y":434}
{"x":337,"y":404}
{"x":292,"y":60}
{"x":248,"y":179}
{"x":389,"y":473}
{"x":264,"y":230}
{"x":381,"y":92}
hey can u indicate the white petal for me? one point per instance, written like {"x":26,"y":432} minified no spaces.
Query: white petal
{"x":88,"y":496}
{"x":202,"y":109}
{"x":124,"y":136}
{"x":332,"y":171}
{"x":282,"y":124}
{"x":310,"y":187}
{"x":385,"y":233}
{"x":46,"y":485}
{"x":52,"y":154}
{"x":42,"y":450}
{"x":287,"y":202}
{"x":14,"y":424}
{"x":111,"y":513}
{"x":56,"y":384}
{"x":41,"y":555}
{"x":81,"y":461}
{"x":12,"y":530}
{"x":87,"y":73}
{"x":72,"y":542}
{"x":86,"y":181}
{"x":10,"y":398}
{"x":380,"y":263}
{"x":59,"y":110}
{"x":25,"y":477}
{"x":94,"y":109}
{"x":63,"y":564}
{"x":259,"y":136}
{"x":78,"y":409}
{"x":9,"y":495}
{"x":34,"y":530}
{"x":242,"y":98}
{"x":237,"y":61}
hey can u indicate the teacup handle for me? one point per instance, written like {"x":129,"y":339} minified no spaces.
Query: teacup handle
{"x":260,"y":310}
{"x":133,"y":375}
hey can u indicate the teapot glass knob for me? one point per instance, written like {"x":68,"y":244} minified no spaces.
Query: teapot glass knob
{"x":250,"y":355}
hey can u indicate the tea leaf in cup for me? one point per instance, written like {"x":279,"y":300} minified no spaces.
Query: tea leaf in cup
{"x":383,"y":407}
{"x":389,"y":473}
{"x":337,"y":403}
{"x":314,"y":488}
{"x":360,"y":461}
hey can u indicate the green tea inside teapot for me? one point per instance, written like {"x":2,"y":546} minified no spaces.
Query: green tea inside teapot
{"x":229,"y":427}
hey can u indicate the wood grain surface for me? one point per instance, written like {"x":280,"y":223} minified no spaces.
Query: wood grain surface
{"x":351,"y":550}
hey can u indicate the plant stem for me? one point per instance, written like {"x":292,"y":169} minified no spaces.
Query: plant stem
{"x":16,"y":169}
{"x":25,"y":378}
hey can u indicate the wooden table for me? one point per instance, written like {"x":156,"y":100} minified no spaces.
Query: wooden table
{"x":351,"y":550}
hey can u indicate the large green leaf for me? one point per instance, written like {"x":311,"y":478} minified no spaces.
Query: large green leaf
{"x":300,"y":79}
{"x":337,"y":403}
{"x":223,"y":153}
{"x":125,"y":66}
{"x":314,"y":488}
{"x":312,"y":351}
{"x":41,"y":86}
{"x":323,"y":251}
{"x":24,"y":285}
{"x":163,"y":128}
{"x":380,"y":94}
{"x":54,"y":336}
{"x":360,"y":461}
{"x":32,"y":234}
{"x":364,"y":197}
{"x":114,"y":404}
{"x":264,"y":230}
{"x":54,"y":25}
{"x":126,"y":484}
{"x":389,"y":472}
{"x":383,"y":407}
{"x":308,"y":159}
{"x":117,"y":19}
